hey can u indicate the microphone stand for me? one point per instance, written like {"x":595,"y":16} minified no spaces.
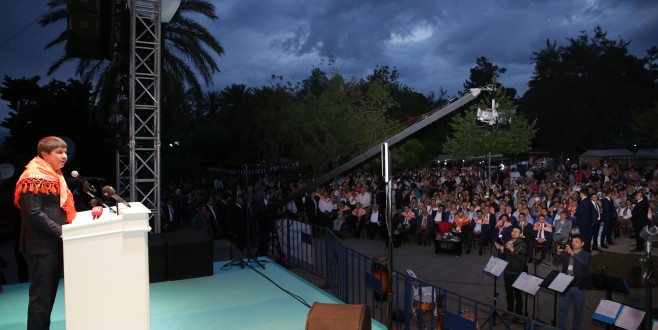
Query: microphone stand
{"x":647,"y":272}
{"x":536,"y":262}
{"x":247,"y":205}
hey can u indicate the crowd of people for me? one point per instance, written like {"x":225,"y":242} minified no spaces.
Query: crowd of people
{"x":570,"y":212}
{"x":544,"y":204}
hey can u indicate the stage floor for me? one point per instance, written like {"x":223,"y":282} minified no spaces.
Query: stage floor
{"x":230,"y":299}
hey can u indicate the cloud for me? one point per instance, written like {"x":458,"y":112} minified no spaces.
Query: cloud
{"x":432,"y":43}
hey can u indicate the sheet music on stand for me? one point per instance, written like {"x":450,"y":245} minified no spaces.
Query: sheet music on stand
{"x":557,"y":281}
{"x":619,"y":315}
{"x":528,"y":283}
{"x":495,"y":266}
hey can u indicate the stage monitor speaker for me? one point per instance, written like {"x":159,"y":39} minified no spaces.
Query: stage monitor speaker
{"x":189,"y":255}
{"x":157,"y":258}
{"x":338,"y":317}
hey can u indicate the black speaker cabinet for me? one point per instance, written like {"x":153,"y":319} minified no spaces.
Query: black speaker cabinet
{"x":339,"y":317}
{"x":157,"y":258}
{"x":189,"y":254}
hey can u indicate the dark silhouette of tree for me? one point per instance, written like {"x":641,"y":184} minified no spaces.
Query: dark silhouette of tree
{"x":485,"y":73}
{"x":56,"y":108}
{"x":187,"y":54}
{"x":583,"y":94}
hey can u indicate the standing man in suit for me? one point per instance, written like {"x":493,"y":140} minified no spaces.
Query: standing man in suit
{"x":214,"y":217}
{"x":596,"y":221}
{"x":169,"y":215}
{"x":584,"y":215}
{"x":639,"y":219}
{"x":46,"y":203}
{"x":608,"y":216}
{"x":238,"y":223}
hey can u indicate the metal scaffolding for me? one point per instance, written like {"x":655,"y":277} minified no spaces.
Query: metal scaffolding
{"x":141,"y":178}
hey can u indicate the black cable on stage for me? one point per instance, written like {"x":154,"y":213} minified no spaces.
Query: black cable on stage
{"x":295,"y":296}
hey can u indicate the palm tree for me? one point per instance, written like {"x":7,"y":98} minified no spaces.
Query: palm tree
{"x":234,"y":97}
{"x":187,"y":52}
{"x":211,"y":103}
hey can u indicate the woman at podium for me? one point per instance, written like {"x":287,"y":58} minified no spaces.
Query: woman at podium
{"x":46,"y":204}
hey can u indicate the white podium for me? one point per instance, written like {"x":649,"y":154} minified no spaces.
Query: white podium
{"x":106,"y":270}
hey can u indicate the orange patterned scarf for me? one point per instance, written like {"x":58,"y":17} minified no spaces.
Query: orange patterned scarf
{"x":39,"y":177}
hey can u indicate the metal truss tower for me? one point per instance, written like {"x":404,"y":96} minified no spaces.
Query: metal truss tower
{"x":138,"y":173}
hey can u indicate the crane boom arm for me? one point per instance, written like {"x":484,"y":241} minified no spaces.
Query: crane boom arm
{"x":434,"y":115}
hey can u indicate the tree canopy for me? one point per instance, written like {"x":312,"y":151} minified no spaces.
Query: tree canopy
{"x":187,"y":56}
{"x":56,"y":108}
{"x":584,"y":94}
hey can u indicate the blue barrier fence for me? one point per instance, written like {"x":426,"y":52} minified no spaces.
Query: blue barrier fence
{"x":355,"y":278}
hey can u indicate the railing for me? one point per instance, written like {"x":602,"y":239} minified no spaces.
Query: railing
{"x":355,"y":278}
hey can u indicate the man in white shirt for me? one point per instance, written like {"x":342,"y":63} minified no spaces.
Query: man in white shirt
{"x":325,"y":207}
{"x":375,"y":221}
{"x":364,"y":197}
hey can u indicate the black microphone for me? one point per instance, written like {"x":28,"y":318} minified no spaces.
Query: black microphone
{"x":95,"y":200}
{"x":108,"y":191}
{"x":85,"y":184}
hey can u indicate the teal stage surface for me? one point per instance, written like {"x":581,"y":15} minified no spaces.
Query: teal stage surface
{"x":230,"y":299}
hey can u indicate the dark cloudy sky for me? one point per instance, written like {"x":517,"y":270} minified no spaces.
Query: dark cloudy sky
{"x":433,"y":43}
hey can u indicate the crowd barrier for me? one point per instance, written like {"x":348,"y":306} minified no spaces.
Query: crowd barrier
{"x":355,"y":278}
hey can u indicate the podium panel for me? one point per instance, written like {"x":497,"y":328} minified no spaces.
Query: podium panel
{"x":106,"y":274}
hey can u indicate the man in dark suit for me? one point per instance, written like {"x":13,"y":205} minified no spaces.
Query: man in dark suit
{"x":238,"y":223}
{"x":223,"y":214}
{"x":639,"y":219}
{"x":213,"y":215}
{"x":596,"y":221}
{"x":584,"y":215}
{"x":46,"y":204}
{"x":170,"y":220}
{"x":608,"y":216}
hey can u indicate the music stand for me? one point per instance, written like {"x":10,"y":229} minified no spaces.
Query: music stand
{"x":622,"y":316}
{"x":557,"y":282}
{"x":530,"y":285}
{"x":495,"y":266}
{"x":609,"y":283}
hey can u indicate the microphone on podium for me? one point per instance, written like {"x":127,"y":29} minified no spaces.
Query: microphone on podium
{"x":108,"y":191}
{"x":85,"y":184}
{"x":96,"y":212}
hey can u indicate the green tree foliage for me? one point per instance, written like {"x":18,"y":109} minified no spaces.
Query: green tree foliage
{"x":56,"y":108}
{"x":337,"y":124}
{"x":583,"y":94}
{"x":409,"y":107}
{"x":322,"y":121}
{"x":471,"y":137}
